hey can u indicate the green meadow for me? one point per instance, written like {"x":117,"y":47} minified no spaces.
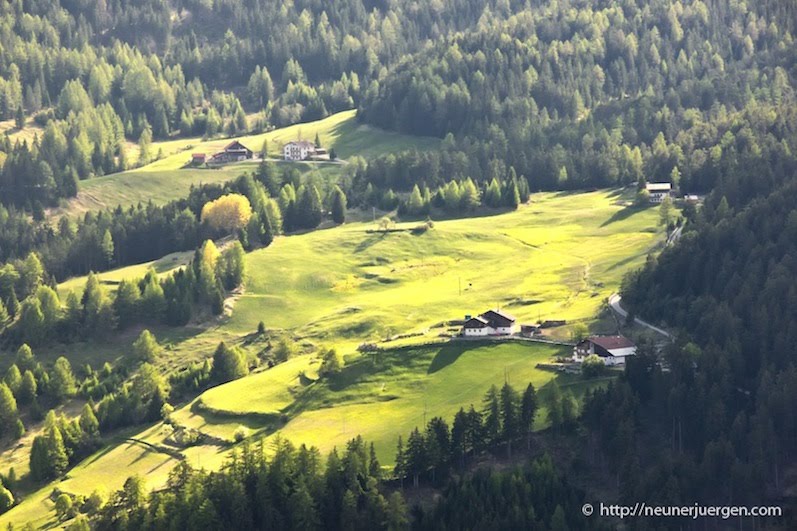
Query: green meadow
{"x":167,"y":179}
{"x":558,"y":257}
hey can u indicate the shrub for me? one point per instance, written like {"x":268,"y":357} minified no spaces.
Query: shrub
{"x":592,"y":366}
{"x":6,"y":499}
{"x":331,"y":363}
{"x":241,"y":433}
{"x":166,"y":410}
{"x":63,"y":506}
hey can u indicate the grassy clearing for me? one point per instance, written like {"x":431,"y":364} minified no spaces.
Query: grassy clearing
{"x":26,"y":134}
{"x":112,"y":278}
{"x":166,"y":179}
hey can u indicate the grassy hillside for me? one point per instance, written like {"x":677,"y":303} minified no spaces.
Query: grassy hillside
{"x":556,"y":258}
{"x":383,"y":396}
{"x":166,"y":179}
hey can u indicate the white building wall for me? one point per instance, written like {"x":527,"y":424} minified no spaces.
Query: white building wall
{"x":294,"y":152}
{"x":658,"y":197}
{"x":478,"y":331}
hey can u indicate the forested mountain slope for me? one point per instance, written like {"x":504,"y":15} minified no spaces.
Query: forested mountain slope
{"x":98,"y":74}
{"x":591,"y":94}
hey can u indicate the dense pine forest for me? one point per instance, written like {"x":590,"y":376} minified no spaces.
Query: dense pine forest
{"x":524,"y":96}
{"x":582,"y":94}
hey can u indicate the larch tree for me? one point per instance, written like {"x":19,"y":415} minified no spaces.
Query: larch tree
{"x":62,"y":380}
{"x":146,"y":347}
{"x":229,"y":363}
{"x":227,"y":214}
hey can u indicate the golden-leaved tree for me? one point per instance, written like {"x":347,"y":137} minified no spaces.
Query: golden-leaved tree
{"x":228,"y":213}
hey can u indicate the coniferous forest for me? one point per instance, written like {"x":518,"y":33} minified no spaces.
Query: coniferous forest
{"x":519,"y":99}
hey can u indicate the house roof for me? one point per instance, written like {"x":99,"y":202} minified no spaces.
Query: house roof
{"x":197,"y":155}
{"x":658,"y":187}
{"x":301,"y":143}
{"x":498,"y":315}
{"x":235,"y":145}
{"x":612,"y":342}
{"x":476,"y":322}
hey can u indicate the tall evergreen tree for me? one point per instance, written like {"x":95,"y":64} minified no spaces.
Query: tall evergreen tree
{"x":338,"y":205}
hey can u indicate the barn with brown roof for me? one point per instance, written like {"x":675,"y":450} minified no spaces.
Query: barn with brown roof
{"x":613,"y":350}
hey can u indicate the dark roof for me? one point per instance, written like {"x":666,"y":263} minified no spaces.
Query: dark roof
{"x":611,"y":342}
{"x":498,"y":317}
{"x":235,"y":145}
{"x":476,"y":322}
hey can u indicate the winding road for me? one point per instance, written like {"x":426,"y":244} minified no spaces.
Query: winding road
{"x":614,"y":304}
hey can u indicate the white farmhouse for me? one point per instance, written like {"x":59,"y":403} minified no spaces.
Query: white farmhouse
{"x":490,"y":323}
{"x":298,"y":150}
{"x":658,"y":191}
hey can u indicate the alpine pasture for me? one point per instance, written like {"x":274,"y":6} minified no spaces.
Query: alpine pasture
{"x":559,"y":257}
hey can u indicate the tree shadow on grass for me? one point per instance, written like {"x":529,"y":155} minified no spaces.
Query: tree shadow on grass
{"x":450,"y":353}
{"x":625,"y":213}
{"x":98,"y":455}
{"x":369,"y":241}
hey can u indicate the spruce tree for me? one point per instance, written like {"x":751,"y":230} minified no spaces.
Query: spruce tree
{"x":13,"y":304}
{"x":374,"y":468}
{"x":338,"y":205}
{"x":400,"y":468}
{"x":528,"y":409}
{"x":510,"y":418}
{"x":492,"y":416}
